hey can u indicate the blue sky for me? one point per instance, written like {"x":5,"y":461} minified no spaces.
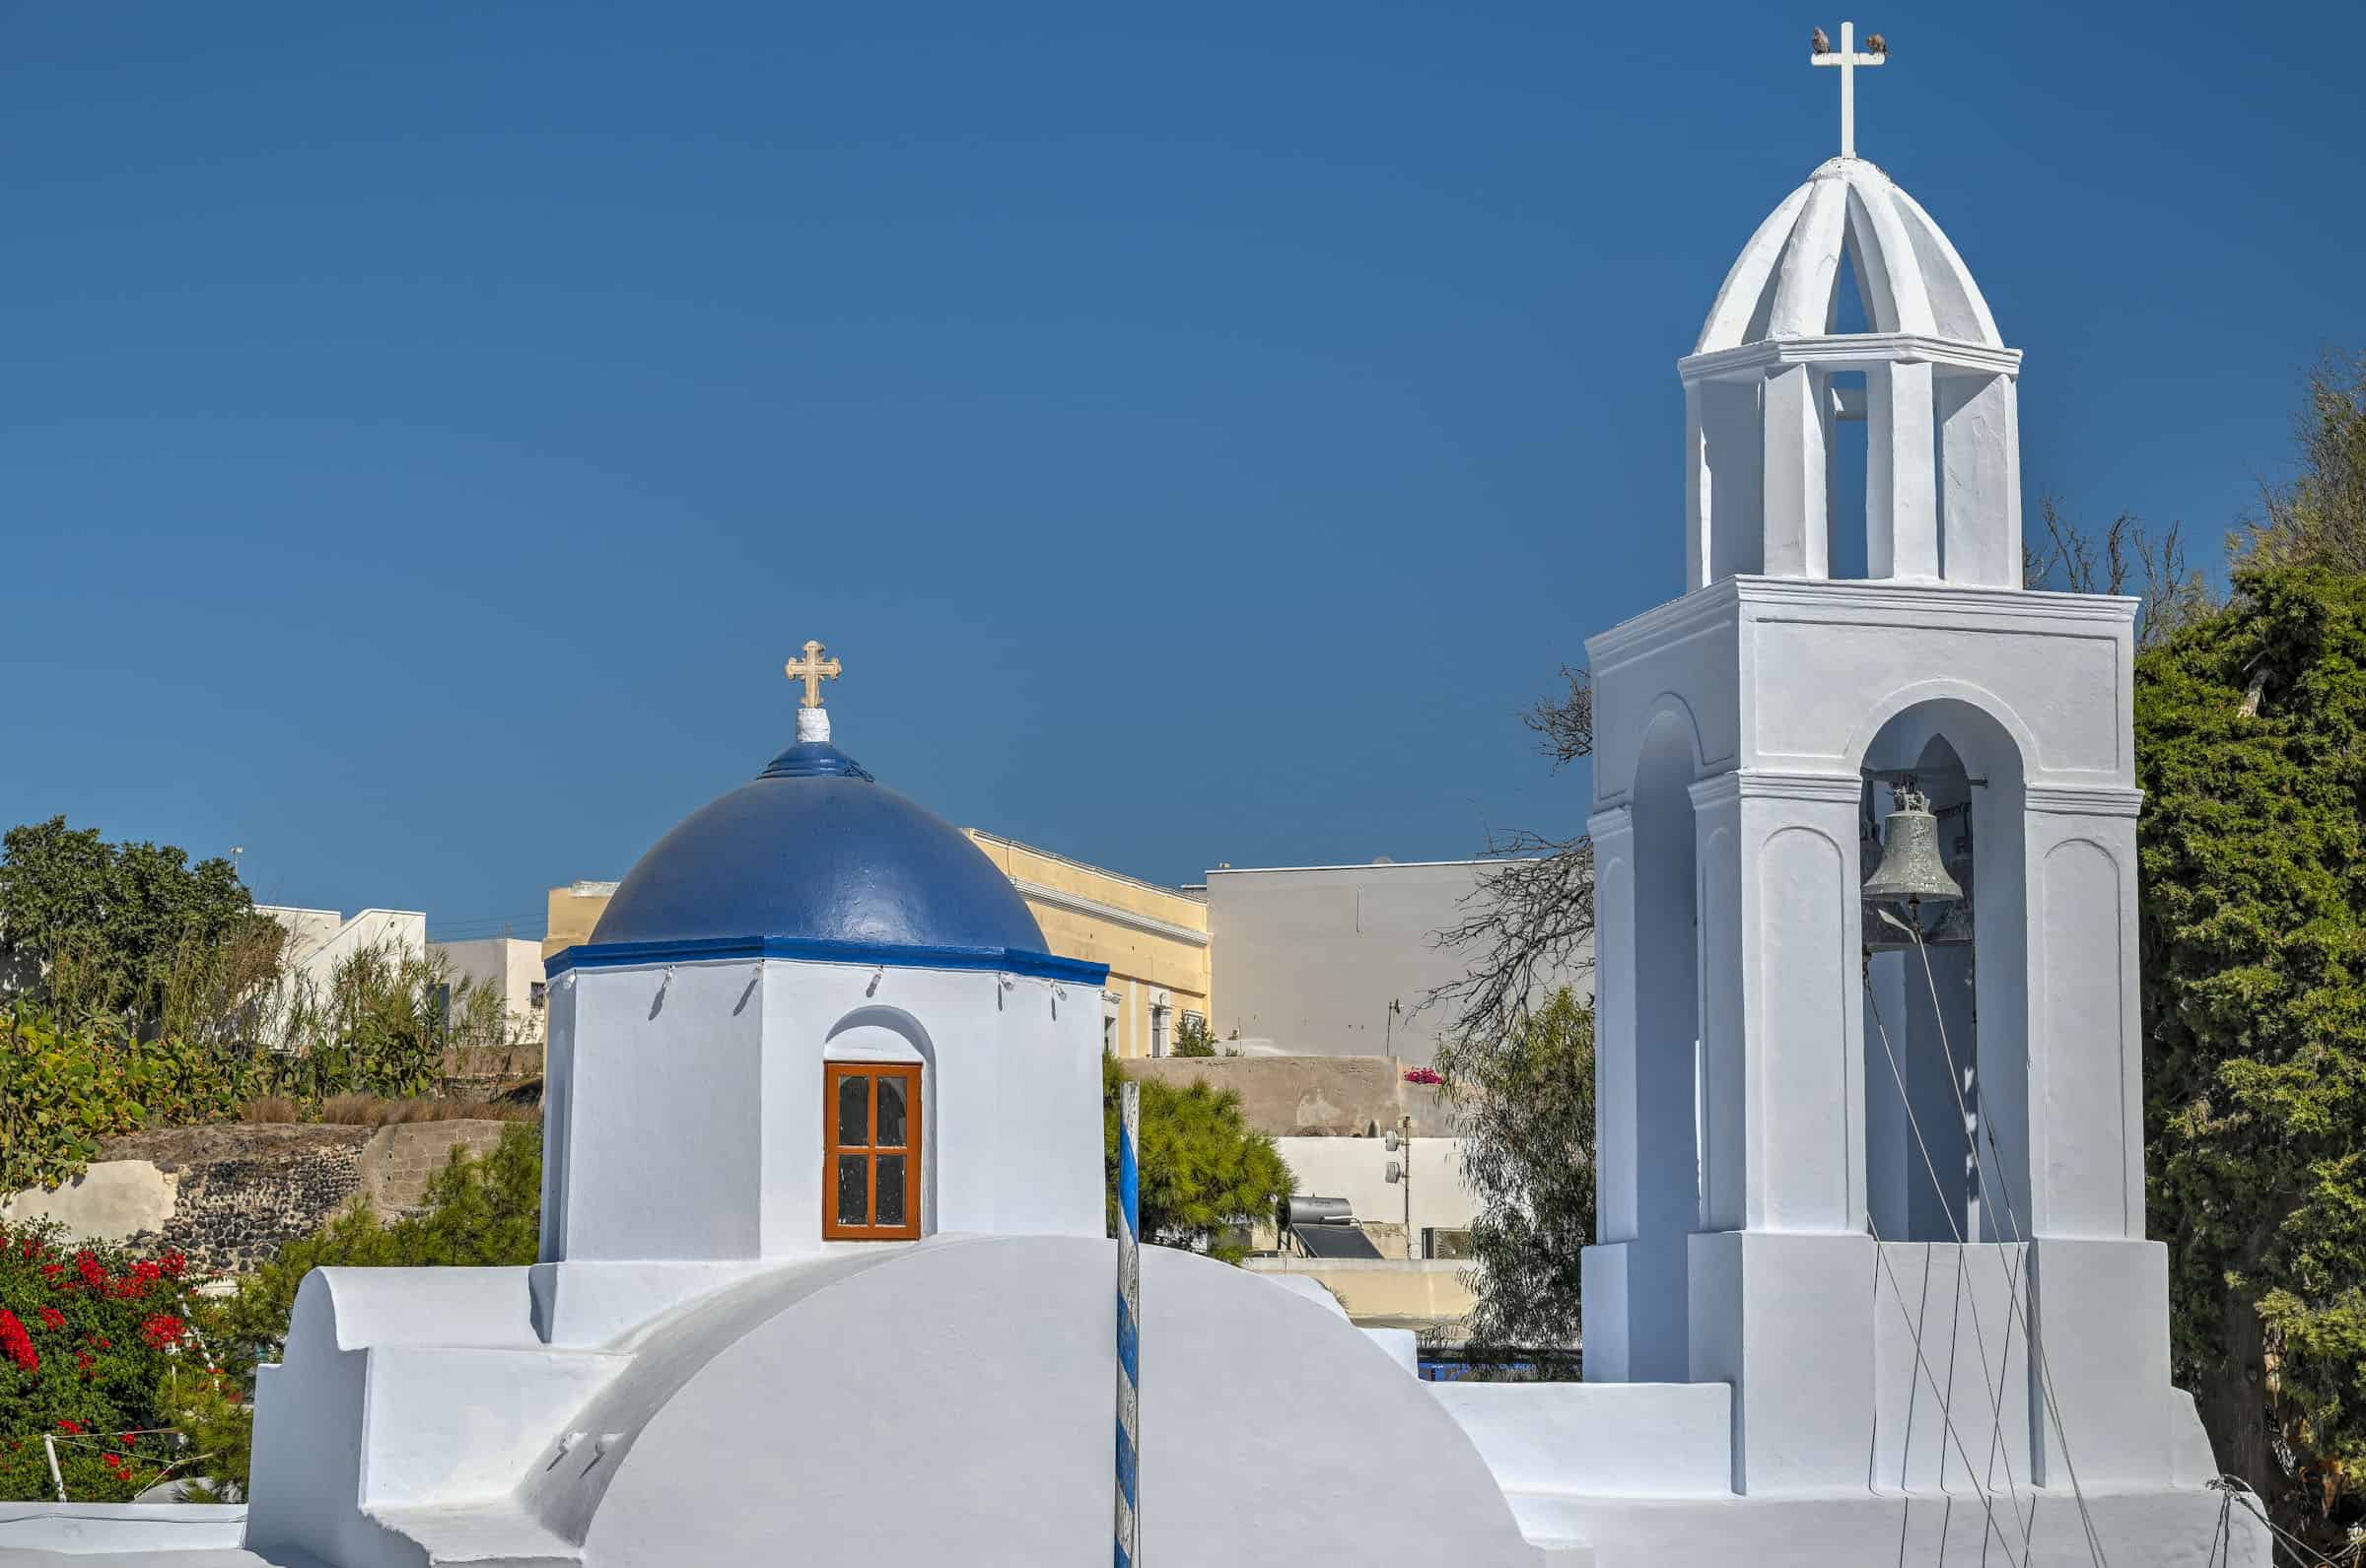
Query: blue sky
{"x":424,"y":434}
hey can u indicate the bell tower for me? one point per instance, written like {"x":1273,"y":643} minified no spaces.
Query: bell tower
{"x":1845,"y":1130}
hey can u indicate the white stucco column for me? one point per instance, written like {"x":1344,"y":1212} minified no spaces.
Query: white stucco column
{"x":1607,"y":1302}
{"x":1980,"y":490}
{"x":1796,"y":535}
{"x":1779,"y":1282}
{"x":1723,"y":480}
{"x":1614,"y":1151}
{"x":1784,"y":1097}
{"x":1696,"y":490}
{"x":1901,"y":512}
{"x":2086,"y":1129}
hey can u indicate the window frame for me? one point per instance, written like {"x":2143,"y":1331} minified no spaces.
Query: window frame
{"x":913,"y":1149}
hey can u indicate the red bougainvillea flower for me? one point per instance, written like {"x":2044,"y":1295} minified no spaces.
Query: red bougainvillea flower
{"x":163,"y":1330}
{"x":70,"y":1426}
{"x":51,"y":1318}
{"x":103,"y":1342}
{"x":82,"y":1359}
{"x":1423,"y":1075}
{"x":93,"y":1273}
{"x":114,"y":1462}
{"x":16,"y":1344}
{"x":174,"y":1264}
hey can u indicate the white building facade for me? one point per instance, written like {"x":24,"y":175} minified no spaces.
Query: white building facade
{"x":511,"y":969}
{"x":1338,"y":960}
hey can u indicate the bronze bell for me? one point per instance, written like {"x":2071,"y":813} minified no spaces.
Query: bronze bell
{"x":1912,"y":870}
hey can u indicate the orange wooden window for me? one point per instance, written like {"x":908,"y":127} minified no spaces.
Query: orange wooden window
{"x":870,"y":1152}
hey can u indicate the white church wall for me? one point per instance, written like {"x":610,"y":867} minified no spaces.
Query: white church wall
{"x":662,"y":1112}
{"x":1952,"y":1374}
{"x":1048,"y":1180}
{"x":2104,"y":1344}
{"x":1269,"y":1402}
{"x":693,"y":1129}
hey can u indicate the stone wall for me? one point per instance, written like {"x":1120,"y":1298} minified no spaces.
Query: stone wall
{"x":230,"y":1196}
{"x":1337,"y":1097}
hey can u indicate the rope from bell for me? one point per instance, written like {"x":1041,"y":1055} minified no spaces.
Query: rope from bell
{"x":2052,"y":1402}
{"x":1991,"y":1381}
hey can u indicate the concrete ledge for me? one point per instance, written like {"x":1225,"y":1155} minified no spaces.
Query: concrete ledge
{"x":1866,"y":1530}
{"x":113,"y":1529}
{"x":1635,"y":1439}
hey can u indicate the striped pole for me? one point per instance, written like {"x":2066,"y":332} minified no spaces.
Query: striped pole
{"x":1128,"y":1325}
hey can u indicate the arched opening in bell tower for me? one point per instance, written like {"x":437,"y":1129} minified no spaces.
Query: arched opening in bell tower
{"x":1668,"y":1044}
{"x":1945,"y":1014}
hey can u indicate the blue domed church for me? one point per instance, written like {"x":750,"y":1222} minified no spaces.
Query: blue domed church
{"x":837,"y":1018}
{"x":824,"y":1275}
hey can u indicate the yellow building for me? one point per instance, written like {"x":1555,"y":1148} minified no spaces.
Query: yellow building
{"x":574,"y":910}
{"x":1154,"y":938}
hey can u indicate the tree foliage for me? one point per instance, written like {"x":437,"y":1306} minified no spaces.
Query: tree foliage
{"x":2125,"y":557}
{"x":1525,"y":1109}
{"x":1193,"y":1039}
{"x":1205,"y":1176}
{"x":2319,"y":518}
{"x":62,"y":1089}
{"x":128,"y":928}
{"x":2250,"y":728}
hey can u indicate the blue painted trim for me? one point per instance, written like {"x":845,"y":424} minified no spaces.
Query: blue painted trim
{"x":815,"y":950}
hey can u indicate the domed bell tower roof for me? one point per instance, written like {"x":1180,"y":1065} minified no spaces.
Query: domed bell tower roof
{"x":1929,"y":377}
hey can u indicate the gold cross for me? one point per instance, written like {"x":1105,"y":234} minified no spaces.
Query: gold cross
{"x":813,"y":669}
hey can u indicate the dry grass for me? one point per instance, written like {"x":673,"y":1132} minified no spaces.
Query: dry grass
{"x":370,"y":1110}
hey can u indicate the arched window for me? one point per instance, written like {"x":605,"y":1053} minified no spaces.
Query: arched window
{"x":870,"y":1152}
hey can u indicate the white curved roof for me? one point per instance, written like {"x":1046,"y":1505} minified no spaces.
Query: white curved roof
{"x":1787,"y":278}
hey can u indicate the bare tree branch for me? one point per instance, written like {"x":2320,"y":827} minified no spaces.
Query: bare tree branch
{"x":1529,"y":924}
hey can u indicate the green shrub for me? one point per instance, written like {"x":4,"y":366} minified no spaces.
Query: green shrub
{"x":1205,"y":1176}
{"x":62,"y":1090}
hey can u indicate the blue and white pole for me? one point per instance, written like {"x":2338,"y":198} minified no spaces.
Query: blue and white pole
{"x":1128,"y":1325}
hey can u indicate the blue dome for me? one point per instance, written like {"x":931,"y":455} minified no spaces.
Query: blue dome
{"x":815,"y":851}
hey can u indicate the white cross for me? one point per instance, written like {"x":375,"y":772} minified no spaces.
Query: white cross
{"x":1847,"y":59}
